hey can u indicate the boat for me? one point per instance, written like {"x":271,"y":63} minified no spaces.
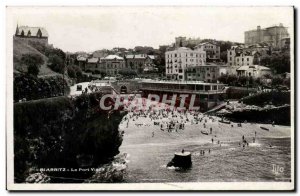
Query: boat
{"x":264,"y":128}
{"x":223,"y":121}
{"x":204,"y":132}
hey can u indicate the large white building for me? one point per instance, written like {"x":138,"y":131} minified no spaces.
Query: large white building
{"x":180,"y":59}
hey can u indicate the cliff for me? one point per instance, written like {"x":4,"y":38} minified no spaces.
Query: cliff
{"x":64,"y":133}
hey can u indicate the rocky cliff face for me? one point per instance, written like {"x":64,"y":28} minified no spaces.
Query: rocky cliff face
{"x":62,"y":137}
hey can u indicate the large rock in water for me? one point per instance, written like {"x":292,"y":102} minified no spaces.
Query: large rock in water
{"x":182,"y":160}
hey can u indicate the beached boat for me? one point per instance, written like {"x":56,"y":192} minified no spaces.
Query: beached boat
{"x":264,"y":128}
{"x":204,"y":132}
{"x":223,"y":121}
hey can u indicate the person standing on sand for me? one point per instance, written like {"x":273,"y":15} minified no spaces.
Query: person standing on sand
{"x":212,"y":140}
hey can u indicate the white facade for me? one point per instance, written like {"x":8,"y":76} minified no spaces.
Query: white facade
{"x":212,"y":50}
{"x":243,"y":60}
{"x":253,"y":71}
{"x":178,"y":60}
{"x":238,"y":56}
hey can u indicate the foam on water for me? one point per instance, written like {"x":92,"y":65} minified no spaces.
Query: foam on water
{"x":255,"y":145}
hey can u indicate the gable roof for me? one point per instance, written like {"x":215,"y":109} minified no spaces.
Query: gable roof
{"x":110,"y":57}
{"x":81,"y":58}
{"x":139,"y":56}
{"x":151,"y":57}
{"x":33,"y":31}
{"x":93,"y":60}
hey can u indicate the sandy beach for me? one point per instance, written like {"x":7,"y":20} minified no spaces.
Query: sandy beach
{"x":151,"y":148}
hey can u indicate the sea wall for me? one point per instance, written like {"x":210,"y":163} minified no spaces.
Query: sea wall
{"x":64,"y":133}
{"x":264,"y":98}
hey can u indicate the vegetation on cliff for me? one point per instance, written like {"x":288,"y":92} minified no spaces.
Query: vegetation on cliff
{"x":64,"y":133}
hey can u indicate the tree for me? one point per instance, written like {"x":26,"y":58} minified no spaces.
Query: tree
{"x":56,"y":63}
{"x":33,"y":69}
{"x":55,"y":52}
{"x":78,"y":71}
{"x":278,"y":62}
{"x":223,"y":56}
{"x":243,"y":80}
{"x":127,"y":72}
{"x":71,"y":72}
{"x":223,"y":79}
{"x":257,"y":81}
{"x":190,"y":45}
{"x":32,"y":59}
{"x":232,"y":79}
{"x":277,"y":81}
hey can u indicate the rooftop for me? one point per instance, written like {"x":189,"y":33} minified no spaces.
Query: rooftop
{"x":93,"y":60}
{"x":176,"y":82}
{"x":257,"y":67}
{"x":111,"y":57}
{"x":33,"y":31}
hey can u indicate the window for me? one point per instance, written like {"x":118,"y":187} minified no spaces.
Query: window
{"x":230,"y":58}
{"x":199,"y":87}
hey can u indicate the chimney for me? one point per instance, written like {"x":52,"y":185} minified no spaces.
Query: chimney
{"x":258,"y":28}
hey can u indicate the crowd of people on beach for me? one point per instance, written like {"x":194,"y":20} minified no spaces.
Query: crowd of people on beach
{"x":173,"y":121}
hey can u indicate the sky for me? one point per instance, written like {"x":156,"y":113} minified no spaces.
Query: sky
{"x":93,"y":28}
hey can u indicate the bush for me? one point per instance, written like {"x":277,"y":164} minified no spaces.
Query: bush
{"x":52,"y":133}
{"x":33,"y":70}
{"x":30,"y":87}
{"x":277,"y":81}
{"x":71,"y":72}
{"x":127,"y":72}
{"x":56,"y":63}
{"x":32,"y":59}
{"x":77,"y":70}
{"x":275,"y":97}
